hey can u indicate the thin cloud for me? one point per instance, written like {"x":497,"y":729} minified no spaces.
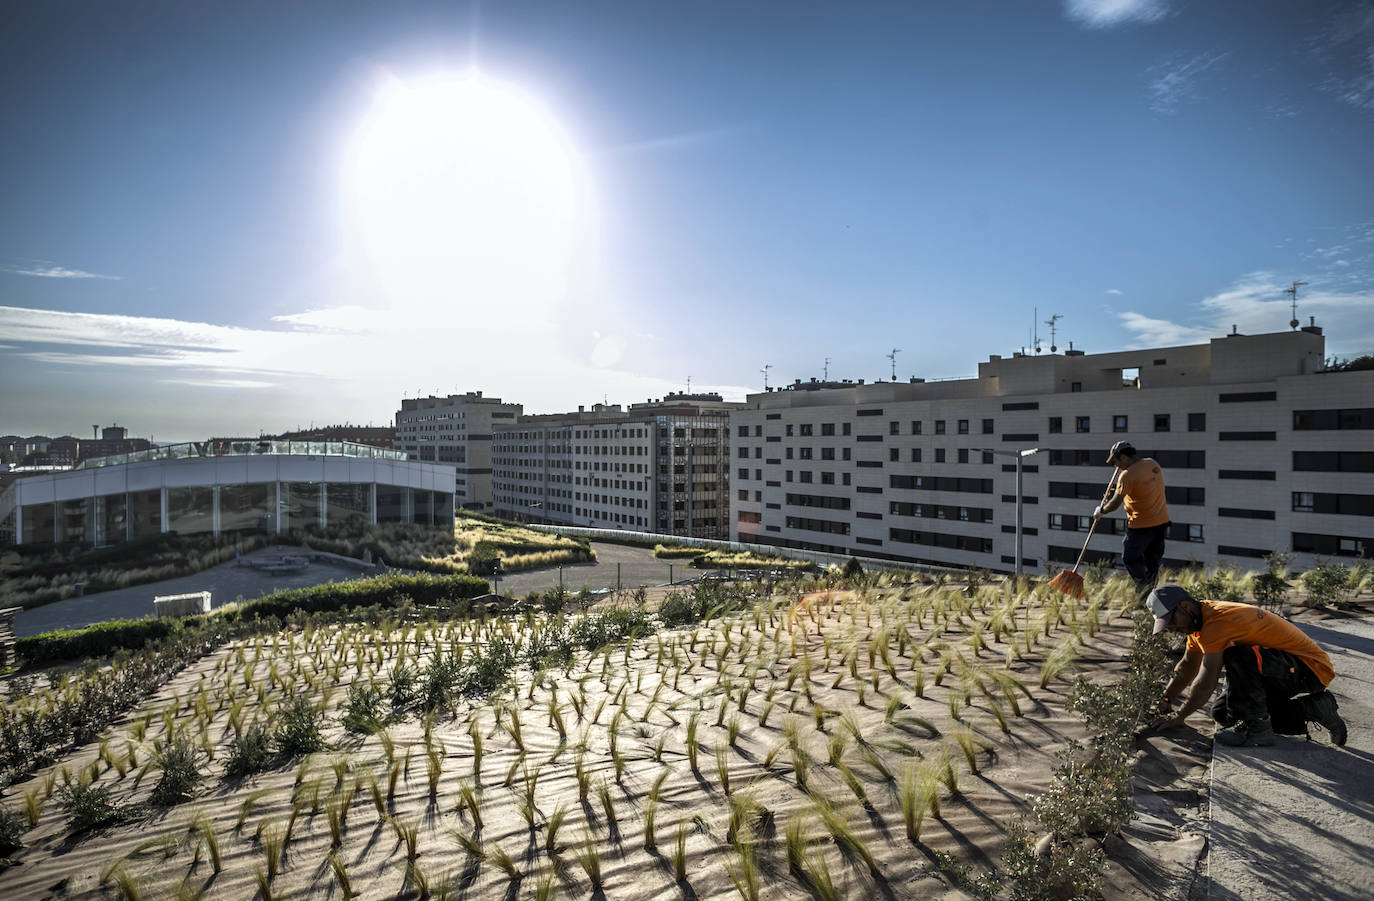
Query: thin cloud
{"x":680,"y":141}
{"x":1176,"y":81}
{"x":1110,"y":13}
{"x":1346,"y":45}
{"x":49,"y":271}
{"x":1112,"y":291}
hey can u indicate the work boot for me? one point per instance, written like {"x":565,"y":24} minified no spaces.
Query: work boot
{"x":1246,"y":733}
{"x":1321,"y":709}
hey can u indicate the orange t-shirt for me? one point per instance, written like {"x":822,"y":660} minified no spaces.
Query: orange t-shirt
{"x":1143,"y":485}
{"x":1225,"y":624}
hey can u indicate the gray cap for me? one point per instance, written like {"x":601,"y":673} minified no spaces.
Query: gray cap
{"x":1121,"y":447}
{"x":1162,"y":602}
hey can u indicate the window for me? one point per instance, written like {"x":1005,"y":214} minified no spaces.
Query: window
{"x":987,"y":458}
{"x":939,"y":455}
{"x":915,"y":426}
{"x":1056,"y":425}
{"x":827,"y":478}
{"x":915,"y":455}
{"x":963,"y":455}
{"x":744,"y":475}
{"x":939,"y":426}
{"x":787,"y":452}
{"x":893,"y":428}
{"x":1245,"y":397}
{"x":963,"y":427}
{"x":987,"y":426}
{"x":788,"y":476}
{"x":1082,"y":423}
{"x":743,"y":431}
{"x":743,"y":494}
{"x":804,"y":453}
{"x":827,"y":430}
{"x":1161,"y":422}
{"x":893,"y":454}
{"x":758,"y":475}
{"x":805,"y":475}
{"x":844,"y":453}
{"x":744,"y":452}
{"x":1119,"y":423}
{"x":844,"y":478}
{"x":1358,"y":418}
{"x":846,"y":428}
{"x":1333,"y":461}
{"x":827,"y":453}
{"x":806,"y":430}
{"x":1076,"y":387}
{"x":789,"y":430}
{"x":1197,"y":422}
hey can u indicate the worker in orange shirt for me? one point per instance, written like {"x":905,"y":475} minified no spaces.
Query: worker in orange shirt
{"x":1276,"y":676}
{"x":1140,"y":486}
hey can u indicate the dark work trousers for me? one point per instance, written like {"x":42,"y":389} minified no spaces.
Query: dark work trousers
{"x":1141,"y":551}
{"x":1261,"y":682}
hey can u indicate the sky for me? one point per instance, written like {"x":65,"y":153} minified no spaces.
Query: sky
{"x":229,"y":219}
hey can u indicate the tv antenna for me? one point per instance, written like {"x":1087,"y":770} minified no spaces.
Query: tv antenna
{"x":893,"y":357}
{"x":689,"y":384}
{"x":1035,"y":329}
{"x":1293,"y":293}
{"x":1050,"y":322}
{"x":825,"y":376}
{"x":764,"y":370}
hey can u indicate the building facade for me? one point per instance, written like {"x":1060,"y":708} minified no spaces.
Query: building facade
{"x":1261,"y":449}
{"x":456,"y":431}
{"x":660,"y":466}
{"x":225,"y":488}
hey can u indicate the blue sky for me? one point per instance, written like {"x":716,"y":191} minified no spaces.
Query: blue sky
{"x":183,"y":250}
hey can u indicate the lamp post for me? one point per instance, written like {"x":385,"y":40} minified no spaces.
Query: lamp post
{"x":1019,"y":455}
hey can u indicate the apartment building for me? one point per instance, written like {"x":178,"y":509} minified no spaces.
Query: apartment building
{"x":1261,"y":448}
{"x":455,"y":430}
{"x":659,"y":466}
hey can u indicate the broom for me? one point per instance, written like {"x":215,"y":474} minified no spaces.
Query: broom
{"x":1069,"y":581}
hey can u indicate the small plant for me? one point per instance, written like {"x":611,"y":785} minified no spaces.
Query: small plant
{"x":589,"y":856}
{"x":89,"y":807}
{"x":680,"y":854}
{"x":180,"y":775}
{"x":298,"y":728}
{"x":340,"y":870}
{"x":11,"y":832}
{"x":205,"y":830}
{"x":364,"y":710}
{"x":249,"y":752}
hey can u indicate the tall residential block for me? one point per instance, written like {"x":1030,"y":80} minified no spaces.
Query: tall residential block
{"x":1262,"y":447}
{"x":455,"y":430}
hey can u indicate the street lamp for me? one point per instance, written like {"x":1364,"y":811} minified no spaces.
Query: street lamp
{"x":1019,"y":455}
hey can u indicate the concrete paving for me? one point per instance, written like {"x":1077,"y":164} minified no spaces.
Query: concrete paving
{"x":634,"y":566}
{"x":1296,"y":820}
{"x":226,"y":582}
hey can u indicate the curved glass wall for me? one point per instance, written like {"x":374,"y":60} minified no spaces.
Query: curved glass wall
{"x":347,"y":505}
{"x":246,"y":509}
{"x":39,"y":523}
{"x":145,"y":513}
{"x":302,"y":500}
{"x":190,"y":510}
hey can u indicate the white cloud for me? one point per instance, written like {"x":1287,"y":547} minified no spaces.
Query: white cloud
{"x":1256,"y":303}
{"x":40,"y":270}
{"x":1108,"y":13}
{"x":1175,"y":81}
{"x":1346,"y":45}
{"x":1113,"y":291}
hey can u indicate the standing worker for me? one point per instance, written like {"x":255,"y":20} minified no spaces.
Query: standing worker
{"x":1140,"y":485}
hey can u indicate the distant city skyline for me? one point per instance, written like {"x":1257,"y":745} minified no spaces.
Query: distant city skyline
{"x":234,"y":219}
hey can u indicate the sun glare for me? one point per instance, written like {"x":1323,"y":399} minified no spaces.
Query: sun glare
{"x":464,"y":194}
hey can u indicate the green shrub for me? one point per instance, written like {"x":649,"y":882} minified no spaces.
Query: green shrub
{"x":675,"y":552}
{"x":298,"y":728}
{"x":11,"y":831}
{"x":180,"y":774}
{"x":1327,"y":583}
{"x":89,"y":807}
{"x":680,"y":609}
{"x":363,"y":711}
{"x":250,"y":752}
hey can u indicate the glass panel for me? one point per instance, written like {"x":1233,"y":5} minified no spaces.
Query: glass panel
{"x":190,"y":510}
{"x":38,"y":523}
{"x":302,"y":504}
{"x":145,"y":511}
{"x":348,"y":506}
{"x":443,"y":508}
{"x":392,"y":504}
{"x":113,"y":511}
{"x":247,"y":508}
{"x":423,"y":501}
{"x":75,"y":520}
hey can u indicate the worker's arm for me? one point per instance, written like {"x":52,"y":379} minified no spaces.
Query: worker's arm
{"x":1115,"y":501}
{"x":1200,"y":690}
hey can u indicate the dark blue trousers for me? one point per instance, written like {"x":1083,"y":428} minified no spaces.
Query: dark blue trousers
{"x":1141,"y":551}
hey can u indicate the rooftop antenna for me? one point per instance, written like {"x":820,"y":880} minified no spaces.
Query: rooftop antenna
{"x":689,"y":384}
{"x":825,"y":375}
{"x":764,"y":370}
{"x":1293,"y":293}
{"x":893,"y":357}
{"x":1050,"y":322}
{"x":1035,"y":329}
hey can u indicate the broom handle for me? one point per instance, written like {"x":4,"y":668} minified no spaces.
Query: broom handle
{"x":1111,"y":483}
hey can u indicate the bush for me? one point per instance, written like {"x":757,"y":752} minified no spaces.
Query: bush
{"x":11,"y":831}
{"x":180,"y":775}
{"x":1328,"y":583}
{"x":298,"y":729}
{"x":363,"y":711}
{"x":89,"y":807}
{"x":664,"y":552}
{"x":250,"y":752}
{"x":679,"y":609}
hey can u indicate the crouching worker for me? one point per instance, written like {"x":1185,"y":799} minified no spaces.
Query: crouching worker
{"x":1276,"y":676}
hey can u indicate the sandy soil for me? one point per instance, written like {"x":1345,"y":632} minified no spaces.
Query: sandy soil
{"x":841,"y":705}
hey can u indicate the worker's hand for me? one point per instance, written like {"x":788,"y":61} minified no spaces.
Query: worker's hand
{"x":1097,"y":512}
{"x":1165,"y":723}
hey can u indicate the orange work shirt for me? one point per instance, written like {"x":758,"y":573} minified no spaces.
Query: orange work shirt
{"x":1143,"y":486}
{"x":1225,"y":624}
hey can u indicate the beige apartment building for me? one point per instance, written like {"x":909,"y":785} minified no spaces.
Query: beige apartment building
{"x":455,"y":430}
{"x":1261,"y":449}
{"x":660,"y":466}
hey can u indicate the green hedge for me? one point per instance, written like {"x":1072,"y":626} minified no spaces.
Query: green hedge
{"x":390,"y":590}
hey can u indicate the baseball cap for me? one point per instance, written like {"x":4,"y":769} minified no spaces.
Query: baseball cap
{"x":1121,"y":447}
{"x":1162,"y":602}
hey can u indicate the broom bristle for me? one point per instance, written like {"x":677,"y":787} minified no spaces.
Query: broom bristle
{"x":1070,"y":583}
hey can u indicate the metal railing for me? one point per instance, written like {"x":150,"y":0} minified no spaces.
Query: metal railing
{"x":225,"y":448}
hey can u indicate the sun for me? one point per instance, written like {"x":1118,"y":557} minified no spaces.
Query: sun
{"x":463,"y":194}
